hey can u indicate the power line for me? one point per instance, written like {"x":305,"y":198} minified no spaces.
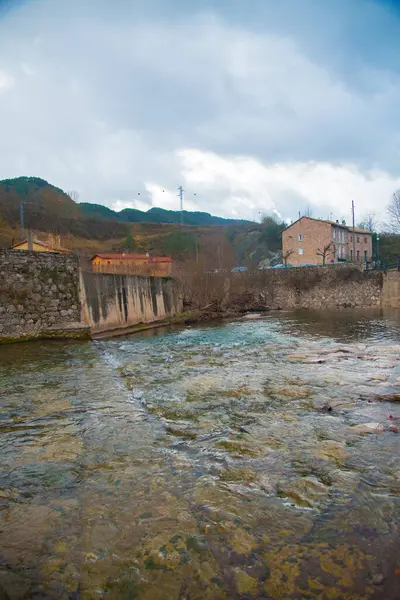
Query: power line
{"x":354,"y":236}
{"x":181,"y":190}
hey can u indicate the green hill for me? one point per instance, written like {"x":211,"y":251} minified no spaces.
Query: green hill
{"x":156,"y":215}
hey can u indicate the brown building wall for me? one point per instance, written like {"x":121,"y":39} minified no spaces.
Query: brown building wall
{"x":306,"y":236}
{"x":363,"y":243}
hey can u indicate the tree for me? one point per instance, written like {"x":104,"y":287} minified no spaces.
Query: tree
{"x":271,"y":234}
{"x":129,"y":242}
{"x":286,"y":255}
{"x":394,"y":211}
{"x":369,"y":222}
{"x":180,"y":244}
{"x":325,"y":252}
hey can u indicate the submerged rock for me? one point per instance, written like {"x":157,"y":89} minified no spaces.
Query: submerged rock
{"x":388,"y":397}
{"x":364,"y":428}
{"x":331,"y":450}
{"x":378,"y":377}
{"x":305,"y":491}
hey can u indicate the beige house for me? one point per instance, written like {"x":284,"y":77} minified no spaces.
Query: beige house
{"x":52,"y":245}
{"x":306,"y":238}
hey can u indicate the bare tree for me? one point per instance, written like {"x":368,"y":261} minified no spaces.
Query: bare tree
{"x":74,"y":195}
{"x":325,"y":252}
{"x":394,"y":211}
{"x":308,"y":212}
{"x":286,"y":255}
{"x":369,"y":222}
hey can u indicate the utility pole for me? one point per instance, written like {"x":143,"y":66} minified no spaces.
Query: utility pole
{"x":181,"y":190}
{"x":21,"y":219}
{"x":354,"y":232}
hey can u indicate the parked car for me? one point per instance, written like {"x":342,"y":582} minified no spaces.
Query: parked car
{"x":282,"y":266}
{"x":239,"y":269}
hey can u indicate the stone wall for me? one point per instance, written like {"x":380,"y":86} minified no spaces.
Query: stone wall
{"x":333,"y":286}
{"x":391,"y":290}
{"x":39,"y":296}
{"x":112,"y":302}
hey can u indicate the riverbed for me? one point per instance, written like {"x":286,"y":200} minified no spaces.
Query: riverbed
{"x":206,"y":462}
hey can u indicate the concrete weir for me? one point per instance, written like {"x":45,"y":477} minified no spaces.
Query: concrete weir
{"x":113,"y":303}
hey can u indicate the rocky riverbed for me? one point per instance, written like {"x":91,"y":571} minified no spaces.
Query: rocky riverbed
{"x":253,"y":459}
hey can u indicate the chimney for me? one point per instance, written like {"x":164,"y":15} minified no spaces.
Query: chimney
{"x":30,"y":240}
{"x":343,"y":222}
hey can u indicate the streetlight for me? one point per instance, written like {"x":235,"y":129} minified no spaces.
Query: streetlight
{"x":377,"y":247}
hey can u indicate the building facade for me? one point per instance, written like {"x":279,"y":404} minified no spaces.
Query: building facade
{"x":304,"y":241}
{"x":39,"y":246}
{"x":133,"y":264}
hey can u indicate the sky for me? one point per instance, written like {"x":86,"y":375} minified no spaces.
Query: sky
{"x":257,"y":107}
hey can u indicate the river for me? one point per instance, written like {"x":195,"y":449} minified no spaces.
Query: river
{"x":210,"y":462}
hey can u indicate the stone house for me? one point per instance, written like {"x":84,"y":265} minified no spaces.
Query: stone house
{"x":306,"y":237}
{"x":133,"y":264}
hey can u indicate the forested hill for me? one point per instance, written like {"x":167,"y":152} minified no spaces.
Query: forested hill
{"x":44,"y":199}
{"x":156,"y":215}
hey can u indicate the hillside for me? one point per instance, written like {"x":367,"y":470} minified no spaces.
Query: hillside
{"x":156,"y":215}
{"x":89,"y":228}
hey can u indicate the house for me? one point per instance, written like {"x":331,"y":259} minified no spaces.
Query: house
{"x":133,"y":264}
{"x":304,"y":240}
{"x":53,"y":245}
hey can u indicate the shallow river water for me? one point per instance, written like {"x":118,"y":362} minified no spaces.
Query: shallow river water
{"x":213,"y":462}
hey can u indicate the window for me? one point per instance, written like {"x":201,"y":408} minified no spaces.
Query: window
{"x":358,"y":256}
{"x":365,"y":240}
{"x":342,"y":236}
{"x":365,"y":256}
{"x":358,"y":240}
{"x":351,"y":254}
{"x":301,"y":251}
{"x":300,"y":237}
{"x":351,"y":238}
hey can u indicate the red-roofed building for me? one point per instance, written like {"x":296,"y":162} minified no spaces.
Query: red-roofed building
{"x":132,"y":264}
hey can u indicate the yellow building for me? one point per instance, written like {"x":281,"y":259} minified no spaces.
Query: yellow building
{"x":38,"y":246}
{"x":133,"y":264}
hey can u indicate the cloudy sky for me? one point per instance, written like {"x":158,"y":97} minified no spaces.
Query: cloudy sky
{"x":253,"y":106}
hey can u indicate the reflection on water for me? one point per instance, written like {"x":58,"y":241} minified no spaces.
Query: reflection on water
{"x":211,"y":462}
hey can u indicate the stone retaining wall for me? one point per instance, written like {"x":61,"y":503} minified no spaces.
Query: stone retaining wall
{"x":39,"y":296}
{"x":391,"y":290}
{"x":309,"y":288}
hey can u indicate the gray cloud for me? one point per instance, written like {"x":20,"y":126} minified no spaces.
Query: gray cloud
{"x":104,"y":98}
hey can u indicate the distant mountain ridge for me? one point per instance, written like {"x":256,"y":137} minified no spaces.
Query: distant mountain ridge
{"x":156,"y":215}
{"x":40,"y":192}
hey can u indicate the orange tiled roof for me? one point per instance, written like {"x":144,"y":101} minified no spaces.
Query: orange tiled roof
{"x":123,"y":256}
